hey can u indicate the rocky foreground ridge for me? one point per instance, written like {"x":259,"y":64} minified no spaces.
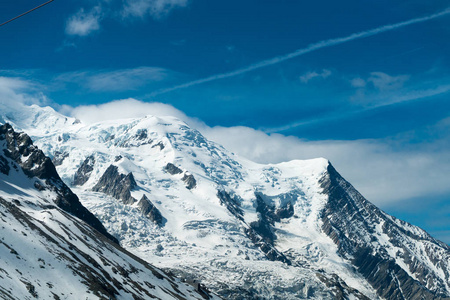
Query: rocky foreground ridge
{"x":52,"y":247}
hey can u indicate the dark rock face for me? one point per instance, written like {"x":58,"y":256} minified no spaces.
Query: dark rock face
{"x":172,"y":169}
{"x":142,"y":135}
{"x":189,"y":180}
{"x":4,"y":166}
{"x":120,"y":186}
{"x":150,"y":211}
{"x":351,"y":221}
{"x":259,"y":232}
{"x":35,"y":163}
{"x":84,"y":171}
{"x":392,"y":281}
{"x":139,"y":139}
{"x":340,"y":289}
{"x":232,"y":204}
{"x":265,"y":220}
{"x":117,"y":185}
{"x":271,"y":214}
{"x":160,"y":145}
{"x":284,"y":212}
{"x":264,"y":245}
{"x":58,"y":158}
{"x":20,"y":149}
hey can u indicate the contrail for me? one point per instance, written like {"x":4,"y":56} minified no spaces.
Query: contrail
{"x":299,"y":52}
{"x":414,"y":95}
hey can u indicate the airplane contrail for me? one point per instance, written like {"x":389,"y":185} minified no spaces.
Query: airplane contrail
{"x":299,"y":52}
{"x":414,"y":95}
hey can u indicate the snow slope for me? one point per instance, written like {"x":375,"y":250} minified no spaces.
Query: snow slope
{"x":278,"y":231}
{"x":46,"y":252}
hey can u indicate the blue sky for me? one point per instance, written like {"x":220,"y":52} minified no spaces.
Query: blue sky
{"x":377,"y":105}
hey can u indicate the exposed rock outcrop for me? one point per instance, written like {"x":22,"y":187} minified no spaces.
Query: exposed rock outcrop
{"x":116,"y":184}
{"x":59,"y":157}
{"x":232,"y":204}
{"x":4,"y":166}
{"x":150,"y":211}
{"x":84,"y":171}
{"x":20,"y":149}
{"x":172,"y":169}
{"x":189,"y":180}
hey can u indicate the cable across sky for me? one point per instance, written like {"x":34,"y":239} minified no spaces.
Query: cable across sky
{"x":27,"y":12}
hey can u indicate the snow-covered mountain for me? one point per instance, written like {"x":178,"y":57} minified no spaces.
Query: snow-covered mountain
{"x":247,"y":231}
{"x":47,"y":252}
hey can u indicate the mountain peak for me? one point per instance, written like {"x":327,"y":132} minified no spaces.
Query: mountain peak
{"x":245,"y":229}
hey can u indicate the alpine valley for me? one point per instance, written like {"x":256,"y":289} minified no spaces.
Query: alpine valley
{"x":184,"y":204}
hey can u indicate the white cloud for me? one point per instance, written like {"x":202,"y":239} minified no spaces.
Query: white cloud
{"x":305,"y":78}
{"x":358,"y":82}
{"x":14,"y":90}
{"x":380,"y":172}
{"x":116,"y":80}
{"x":10,"y":90}
{"x":13,"y":84}
{"x":84,"y":23}
{"x":154,"y":8}
{"x":385,"y":82}
{"x":379,"y":169}
{"x":127,"y":108}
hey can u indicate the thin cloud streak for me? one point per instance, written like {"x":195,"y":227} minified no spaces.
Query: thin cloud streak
{"x":299,"y":52}
{"x":411,"y":96}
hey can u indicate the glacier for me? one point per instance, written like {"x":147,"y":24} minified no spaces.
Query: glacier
{"x":245,"y":230}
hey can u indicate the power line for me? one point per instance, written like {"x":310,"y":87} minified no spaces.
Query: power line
{"x":37,"y":7}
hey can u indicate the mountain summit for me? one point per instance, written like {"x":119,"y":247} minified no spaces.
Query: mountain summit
{"x":52,"y":247}
{"x":245,"y":230}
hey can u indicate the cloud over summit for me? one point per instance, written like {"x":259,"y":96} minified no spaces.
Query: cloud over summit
{"x":383,"y":170}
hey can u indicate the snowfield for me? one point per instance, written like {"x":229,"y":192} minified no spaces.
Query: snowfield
{"x":47,"y":253}
{"x":245,"y":230}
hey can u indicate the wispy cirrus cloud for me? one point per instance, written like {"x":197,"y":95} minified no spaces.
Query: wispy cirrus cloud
{"x":378,"y":87}
{"x":114,"y":80}
{"x":358,"y":82}
{"x":305,"y":78}
{"x":303,"y":51}
{"x":85,"y":22}
{"x":376,"y":91}
{"x":386,"y":82}
{"x":154,"y":8}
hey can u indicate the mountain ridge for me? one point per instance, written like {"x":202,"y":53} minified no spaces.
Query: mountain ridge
{"x":245,"y":220}
{"x":48,"y":251}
